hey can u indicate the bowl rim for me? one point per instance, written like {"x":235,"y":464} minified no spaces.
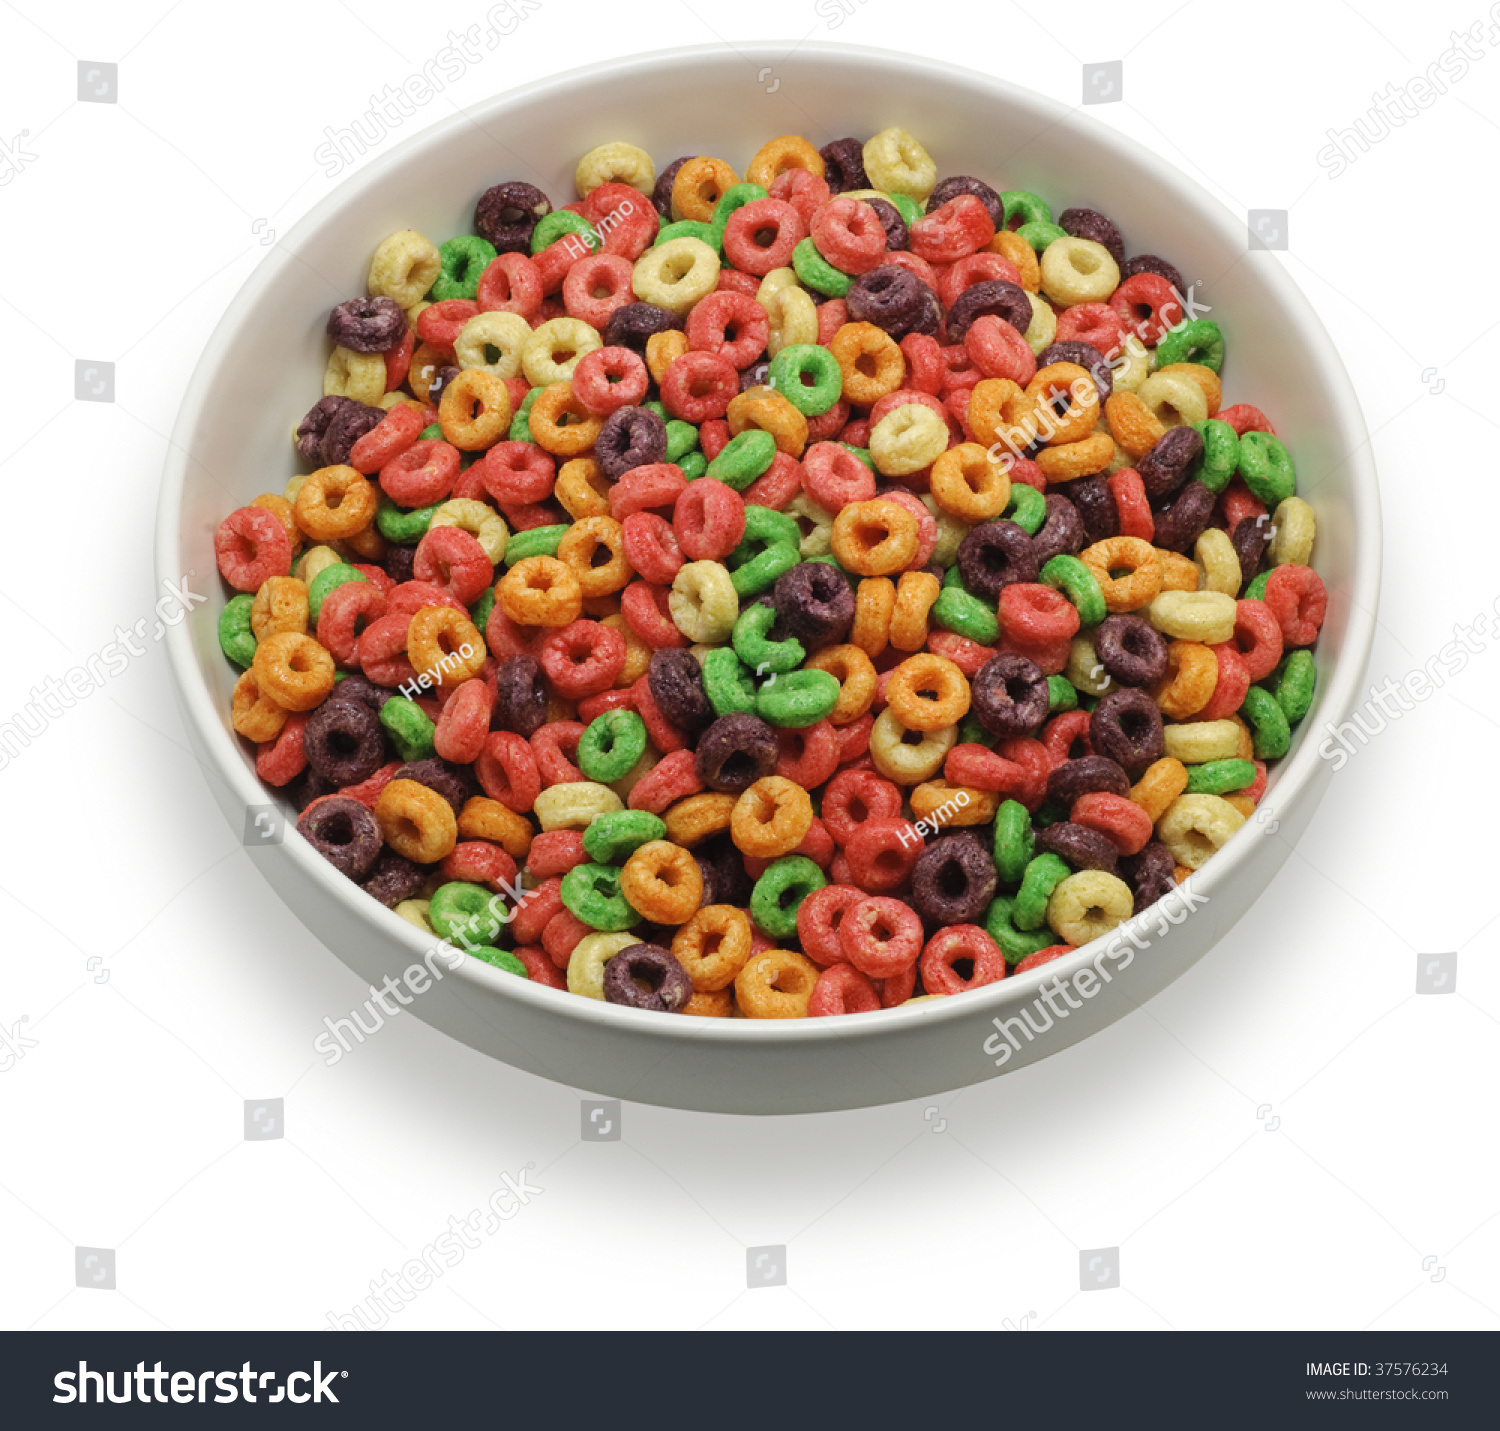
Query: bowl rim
{"x":1292,"y":779}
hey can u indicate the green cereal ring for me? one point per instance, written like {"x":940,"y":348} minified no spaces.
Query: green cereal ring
{"x":764,"y":528}
{"x":1266,"y":466}
{"x":691,"y":228}
{"x":338,"y":574}
{"x":1256,"y":591}
{"x":592,"y":893}
{"x":967,"y":615}
{"x":1268,"y":722}
{"x":863,"y":453}
{"x":971,"y":732}
{"x":551,"y":227}
{"x":464,"y":259}
{"x":744,"y":458}
{"x":807,"y":376}
{"x":1062,"y":695}
{"x":431,"y":433}
{"x":611,"y":839}
{"x":609,"y":749}
{"x":779,"y":892}
{"x":236,"y":639}
{"x":1015,"y":843}
{"x":909,"y":209}
{"x":953,"y":579}
{"x":682,"y":438}
{"x":534,"y":542}
{"x":465,"y":913}
{"x":1220,"y":777}
{"x":1221,"y":453}
{"x":500,"y":959}
{"x":1041,"y":234}
{"x":479,"y":612}
{"x":694,"y":464}
{"x":1023,"y":204}
{"x":760,"y":573}
{"x":656,"y":407}
{"x":762,"y":655}
{"x":410,"y":730}
{"x":405,"y":527}
{"x":1077,"y":583}
{"x":1042,"y":876}
{"x":817,"y":273}
{"x":728,"y":683}
{"x":520,"y":424}
{"x":1196,"y":341}
{"x":797,"y":700}
{"x":736,"y":196}
{"x":1014,"y":943}
{"x":1294,"y":691}
{"x":1027,"y":508}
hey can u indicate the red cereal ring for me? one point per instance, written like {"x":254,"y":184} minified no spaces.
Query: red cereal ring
{"x":743,"y":234}
{"x":398,"y":363}
{"x":854,"y":739}
{"x":389,"y":438}
{"x":1096,"y":324}
{"x":950,"y":946}
{"x":1126,"y":824}
{"x":1031,"y":756}
{"x":590,"y":708}
{"x":953,"y":231}
{"x":997,"y":350}
{"x":831,"y":317}
{"x":650,"y":546}
{"x":345,"y":612}
{"x":880,"y":936}
{"x":708,"y":519}
{"x":1036,"y":615}
{"x":562,"y":935}
{"x":927,"y":532}
{"x":554,"y":747}
{"x":842,"y":989}
{"x":503,"y":637}
{"x":282,"y":758}
{"x":535,"y":911}
{"x":833,"y":476}
{"x":817,"y":844}
{"x":507,"y":771}
{"x":855,"y":796}
{"x":380,"y":650}
{"x":975,"y":268}
{"x":977,"y":767}
{"x":818,"y":918}
{"x":480,"y":862}
{"x":898,"y":988}
{"x":1243,"y":418}
{"x":1042,"y":956}
{"x":882,"y":858}
{"x":673,"y":778}
{"x":1230,"y":687}
{"x":251,"y":546}
{"x":421,"y":473}
{"x":1023,"y":469}
{"x":1063,"y":732}
{"x":731,"y":280}
{"x":596,"y":286}
{"x":452,"y":560}
{"x":626,"y":222}
{"x":582,"y":658}
{"x":552,"y":265}
{"x":713,"y":436}
{"x":652,"y":484}
{"x":777,"y":485}
{"x":555,"y":852}
{"x":665,"y":736}
{"x":857,"y":433}
{"x":712,"y":318}
{"x":1129,"y":493}
{"x":516,"y":473}
{"x":645,"y":610}
{"x":1299,"y":601}
{"x":510,"y":283}
{"x":1257,"y":637}
{"x":1147,"y":306}
{"x":368,"y":791}
{"x":441,"y":323}
{"x":803,"y":190}
{"x":968,"y":655}
{"x":828,"y":424}
{"x":809,"y":756}
{"x":1049,"y":657}
{"x":849,"y":234}
{"x":539,"y":968}
{"x":1240,"y":504}
{"x":464,"y":724}
{"x":924,"y":363}
{"x":610,"y":378}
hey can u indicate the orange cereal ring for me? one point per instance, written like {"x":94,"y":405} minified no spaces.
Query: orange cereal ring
{"x":334,"y":502}
{"x":445,"y":646}
{"x":915,"y":593}
{"x":280,"y":605}
{"x":874,"y":538}
{"x":693,"y":820}
{"x":966,"y":484}
{"x":766,"y":409}
{"x":484,"y":819}
{"x":771,"y":818}
{"x":474,"y":410}
{"x":928,"y":692}
{"x":1076,"y":459}
{"x":281,"y":509}
{"x":1206,"y":379}
{"x":252,"y":713}
{"x":540,"y":591}
{"x":710,"y":1003}
{"x":790,"y":151}
{"x":582,"y":543}
{"x":664,"y":349}
{"x":1178,"y":572}
{"x":560,"y":424}
{"x":713,"y":946}
{"x":1163,"y":781}
{"x":699,"y":186}
{"x":854,"y":671}
{"x":1139,"y":558}
{"x":582,"y":488}
{"x":293,"y":670}
{"x":1192,"y":674}
{"x":870,"y":360}
{"x":416,"y":821}
{"x":662,"y":882}
{"x":874,"y":602}
{"x":367,"y":543}
{"x":965,"y":805}
{"x":1011,"y":246}
{"x":1077,"y":420}
{"x":776,"y":984}
{"x":637,"y":652}
{"x":1134,"y":425}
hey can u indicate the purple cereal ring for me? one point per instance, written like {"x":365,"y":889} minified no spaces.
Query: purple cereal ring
{"x":630,"y":437}
{"x":1150,"y":874}
{"x":893,"y":299}
{"x":348,"y":425}
{"x":735,"y":752}
{"x":400,"y":562}
{"x":630,"y":326}
{"x":896,"y":233}
{"x":661,"y":195}
{"x":814,"y":605}
{"x":1149,"y":263}
{"x":725,"y":879}
{"x":992,"y":556}
{"x":345,"y":833}
{"x":1061,"y":533}
{"x":1085,"y":776}
{"x":1080,"y":846}
{"x":1092,"y":225}
{"x":520,"y":696}
{"x":756,"y":375}
{"x":343,"y":739}
{"x":310,"y":430}
{"x":1126,"y":727}
{"x":1131,"y":649}
{"x":1181,"y":524}
{"x":395,"y":878}
{"x":1096,"y":505}
{"x":368,"y":325}
{"x":1165,"y":468}
{"x":647,"y":976}
{"x":844,"y":165}
{"x":506,"y":214}
{"x":995,"y":296}
{"x":1250,"y":540}
{"x":953,"y":880}
{"x":1010,"y":696}
{"x":675,"y":680}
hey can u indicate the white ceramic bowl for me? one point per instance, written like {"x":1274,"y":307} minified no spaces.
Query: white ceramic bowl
{"x":262,"y":370}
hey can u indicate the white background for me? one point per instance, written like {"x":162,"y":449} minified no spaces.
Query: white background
{"x":163,"y":985}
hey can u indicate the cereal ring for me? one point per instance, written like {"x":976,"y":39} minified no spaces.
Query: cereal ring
{"x":293,"y":670}
{"x":907,"y":439}
{"x":416,"y":821}
{"x":875,"y":538}
{"x":662,"y":882}
{"x":1140,"y":559}
{"x":1088,"y":905}
{"x":776,"y":984}
{"x":675,"y":275}
{"x":771,"y":818}
{"x":703,"y":603}
{"x":968,"y":485}
{"x":334,"y":503}
{"x":896,"y":163}
{"x":253,"y":714}
{"x":1195,"y":827}
{"x":540,"y":591}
